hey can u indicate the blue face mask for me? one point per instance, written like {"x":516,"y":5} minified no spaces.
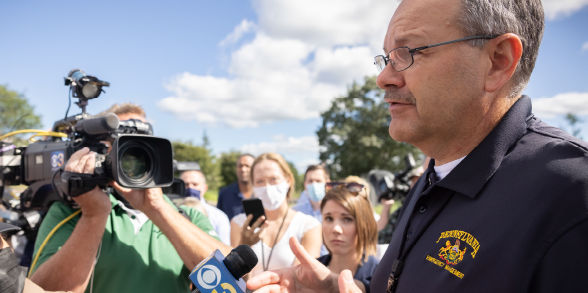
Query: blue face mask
{"x":316,"y":191}
{"x":193,"y":193}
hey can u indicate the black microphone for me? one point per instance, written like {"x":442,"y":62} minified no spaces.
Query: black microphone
{"x":99,"y":125}
{"x":219,"y":274}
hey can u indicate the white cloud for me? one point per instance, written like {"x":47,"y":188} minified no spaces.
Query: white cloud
{"x":243,"y":28}
{"x":303,"y":54}
{"x":299,"y":150}
{"x":585,"y":46}
{"x":561,"y":104}
{"x":555,"y":9}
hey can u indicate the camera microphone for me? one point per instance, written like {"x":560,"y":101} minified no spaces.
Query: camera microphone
{"x":99,"y":125}
{"x":219,"y":274}
{"x":85,"y":86}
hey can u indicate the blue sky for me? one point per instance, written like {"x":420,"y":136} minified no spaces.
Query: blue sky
{"x":254,"y":75}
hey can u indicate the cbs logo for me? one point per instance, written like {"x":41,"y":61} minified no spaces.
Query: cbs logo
{"x":209,"y":277}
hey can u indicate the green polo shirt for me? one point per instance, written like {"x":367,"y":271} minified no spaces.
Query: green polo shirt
{"x":129,"y":260}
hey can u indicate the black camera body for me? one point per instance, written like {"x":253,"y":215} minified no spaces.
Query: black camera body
{"x":388,"y":185}
{"x":126,"y":151}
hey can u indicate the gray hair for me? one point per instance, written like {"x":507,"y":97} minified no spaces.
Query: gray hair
{"x":495,"y":17}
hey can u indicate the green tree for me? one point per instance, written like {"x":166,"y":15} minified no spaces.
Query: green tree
{"x":354,"y":135}
{"x":15,"y":112}
{"x":298,"y":178}
{"x":573,"y":121}
{"x":202,"y":155}
{"x":227,"y":164}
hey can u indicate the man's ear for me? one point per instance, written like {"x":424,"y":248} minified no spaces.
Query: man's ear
{"x":505,"y":52}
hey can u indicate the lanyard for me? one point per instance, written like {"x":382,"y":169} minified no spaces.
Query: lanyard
{"x":264,"y":264}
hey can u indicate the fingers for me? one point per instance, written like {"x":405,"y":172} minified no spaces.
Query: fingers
{"x":273,"y":288}
{"x":258,"y":222}
{"x":90,"y":163}
{"x":301,"y":254}
{"x":120,"y":189}
{"x":82,"y":161}
{"x":250,"y":234}
{"x":247,"y":220}
{"x":264,"y":279}
{"x":346,"y":283}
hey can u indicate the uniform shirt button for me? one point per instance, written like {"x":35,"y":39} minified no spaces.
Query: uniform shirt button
{"x":422,"y":209}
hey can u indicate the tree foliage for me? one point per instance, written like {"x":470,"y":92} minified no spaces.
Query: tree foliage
{"x":298,"y":178}
{"x":574,"y":122}
{"x":201,"y":155}
{"x":354,"y":135}
{"x":227,"y":165}
{"x":15,"y":112}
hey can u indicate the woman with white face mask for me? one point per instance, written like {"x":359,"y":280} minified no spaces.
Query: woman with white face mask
{"x":268,"y":236}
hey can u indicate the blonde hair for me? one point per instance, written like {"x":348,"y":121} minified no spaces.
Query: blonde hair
{"x":125,"y":108}
{"x":366,"y":187}
{"x":359,"y":207}
{"x":283,"y":166}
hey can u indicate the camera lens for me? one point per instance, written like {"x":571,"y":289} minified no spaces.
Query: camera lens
{"x":141,"y":161}
{"x":135,"y":162}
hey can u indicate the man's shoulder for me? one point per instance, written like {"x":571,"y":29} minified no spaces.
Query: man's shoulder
{"x":554,"y":149}
{"x":229,"y":189}
{"x":550,"y":134}
{"x":216,"y":213}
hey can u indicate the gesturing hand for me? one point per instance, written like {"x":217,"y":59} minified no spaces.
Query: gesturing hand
{"x":308,"y":276}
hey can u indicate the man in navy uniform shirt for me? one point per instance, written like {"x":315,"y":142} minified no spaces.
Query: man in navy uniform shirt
{"x":503,"y":204}
{"x":231,"y":196}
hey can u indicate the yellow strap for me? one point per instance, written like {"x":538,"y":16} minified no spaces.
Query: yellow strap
{"x":30,"y":131}
{"x":49,"y":237}
{"x":47,"y":133}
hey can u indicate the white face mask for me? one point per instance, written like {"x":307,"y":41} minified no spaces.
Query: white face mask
{"x":272,"y":196}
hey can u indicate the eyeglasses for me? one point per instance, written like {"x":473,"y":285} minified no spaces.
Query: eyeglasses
{"x":350,"y":186}
{"x":402,"y":58}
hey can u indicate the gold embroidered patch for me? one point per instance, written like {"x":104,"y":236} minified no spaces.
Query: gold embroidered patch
{"x":451,"y":254}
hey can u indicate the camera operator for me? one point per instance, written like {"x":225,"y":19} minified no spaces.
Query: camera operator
{"x":132,"y":240}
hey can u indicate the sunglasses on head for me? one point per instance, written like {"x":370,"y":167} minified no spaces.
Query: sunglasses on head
{"x":350,"y":186}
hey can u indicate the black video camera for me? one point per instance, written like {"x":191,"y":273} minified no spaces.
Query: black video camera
{"x":136,"y":158}
{"x":388,"y":185}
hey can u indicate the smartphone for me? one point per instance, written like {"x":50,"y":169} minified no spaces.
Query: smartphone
{"x":255,"y":207}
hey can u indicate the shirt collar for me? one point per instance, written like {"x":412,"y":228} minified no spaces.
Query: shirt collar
{"x":470,"y":176}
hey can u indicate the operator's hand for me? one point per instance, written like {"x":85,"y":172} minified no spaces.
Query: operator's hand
{"x":251,"y":235}
{"x":94,"y":202}
{"x":141,"y":199}
{"x":308,"y":276}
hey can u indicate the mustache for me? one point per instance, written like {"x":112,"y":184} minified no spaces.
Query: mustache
{"x":389,"y":95}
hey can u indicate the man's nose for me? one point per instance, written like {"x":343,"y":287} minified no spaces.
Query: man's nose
{"x":389,"y":77}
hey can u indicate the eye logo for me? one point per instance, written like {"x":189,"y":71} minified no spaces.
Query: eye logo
{"x":57,"y":160}
{"x":209,"y":277}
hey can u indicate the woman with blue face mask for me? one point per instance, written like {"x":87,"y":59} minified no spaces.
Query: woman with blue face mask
{"x":268,"y":236}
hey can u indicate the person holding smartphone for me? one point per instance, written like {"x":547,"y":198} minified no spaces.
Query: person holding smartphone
{"x":273,"y":184}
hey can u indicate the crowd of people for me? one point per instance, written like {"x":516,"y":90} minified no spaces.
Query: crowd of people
{"x":501,"y":206}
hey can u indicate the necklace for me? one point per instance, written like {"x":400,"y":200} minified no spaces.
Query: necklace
{"x":264,"y":264}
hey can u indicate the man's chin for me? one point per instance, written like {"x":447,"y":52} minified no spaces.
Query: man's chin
{"x":400,"y":134}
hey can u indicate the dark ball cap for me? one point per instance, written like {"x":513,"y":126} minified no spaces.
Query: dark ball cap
{"x":5,"y":227}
